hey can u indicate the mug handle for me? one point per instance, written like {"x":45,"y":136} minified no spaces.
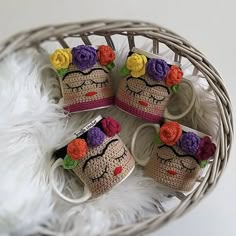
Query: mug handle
{"x":86,"y":195}
{"x":169,"y":116}
{"x":139,"y":160}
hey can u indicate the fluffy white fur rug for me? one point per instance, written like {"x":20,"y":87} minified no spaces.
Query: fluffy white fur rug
{"x":32,"y":126}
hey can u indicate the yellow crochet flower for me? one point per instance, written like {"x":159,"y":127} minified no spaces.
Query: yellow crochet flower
{"x":136,"y":64}
{"x":61,"y":58}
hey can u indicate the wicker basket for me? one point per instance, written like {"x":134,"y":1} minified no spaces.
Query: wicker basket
{"x":160,"y":37}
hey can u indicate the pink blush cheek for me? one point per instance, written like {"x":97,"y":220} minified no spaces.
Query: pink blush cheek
{"x":126,"y":97}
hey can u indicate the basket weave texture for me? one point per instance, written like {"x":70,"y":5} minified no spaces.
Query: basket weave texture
{"x":183,"y":50}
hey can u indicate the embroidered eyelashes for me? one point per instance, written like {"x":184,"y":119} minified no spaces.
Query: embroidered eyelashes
{"x":83,"y":57}
{"x":138,"y":65}
{"x":77,"y":148}
{"x":201,"y":149}
{"x":100,"y":154}
{"x":133,"y":90}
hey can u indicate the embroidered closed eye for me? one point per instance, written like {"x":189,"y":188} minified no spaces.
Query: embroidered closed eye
{"x":133,"y":91}
{"x":100,"y":84}
{"x":101,"y":176}
{"x":163,"y":160}
{"x":123,"y":155}
{"x":91,"y":159}
{"x":186,"y":168}
{"x":156,"y":100}
{"x":76,"y":88}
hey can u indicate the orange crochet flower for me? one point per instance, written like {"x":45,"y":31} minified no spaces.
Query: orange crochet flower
{"x":77,"y":149}
{"x":105,"y":55}
{"x":170,"y":133}
{"x":173,"y":76}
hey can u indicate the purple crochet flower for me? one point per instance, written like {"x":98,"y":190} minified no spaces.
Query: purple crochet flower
{"x":157,"y":68}
{"x":206,"y":149}
{"x":84,"y":56}
{"x":95,"y":137}
{"x":189,"y":143}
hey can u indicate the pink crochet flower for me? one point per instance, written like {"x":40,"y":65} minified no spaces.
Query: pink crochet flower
{"x":206,"y":149}
{"x":110,"y":126}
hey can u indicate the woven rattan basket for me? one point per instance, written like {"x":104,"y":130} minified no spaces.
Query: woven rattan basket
{"x":159,"y":37}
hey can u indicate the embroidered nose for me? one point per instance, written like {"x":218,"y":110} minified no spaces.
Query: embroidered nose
{"x":143,"y":103}
{"x":118,"y":170}
{"x":90,"y":94}
{"x":171,"y":172}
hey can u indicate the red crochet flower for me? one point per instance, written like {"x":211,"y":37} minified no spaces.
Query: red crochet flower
{"x":206,"y":149}
{"x":173,"y":76}
{"x":77,"y":149}
{"x":110,"y":126}
{"x":170,"y":133}
{"x":105,"y":55}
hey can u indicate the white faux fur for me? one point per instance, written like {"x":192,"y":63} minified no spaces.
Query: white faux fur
{"x":32,"y":126}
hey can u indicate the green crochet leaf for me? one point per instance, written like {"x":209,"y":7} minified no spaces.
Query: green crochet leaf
{"x":62,"y":72}
{"x":175,"y":88}
{"x":157,"y":139}
{"x":110,"y":66}
{"x":124,"y":71}
{"x":203,"y":163}
{"x":69,"y":163}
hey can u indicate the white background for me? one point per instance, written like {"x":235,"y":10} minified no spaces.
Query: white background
{"x":208,"y":24}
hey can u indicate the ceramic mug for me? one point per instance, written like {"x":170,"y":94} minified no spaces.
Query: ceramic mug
{"x":146,"y":93}
{"x":84,"y":75}
{"x":178,"y":155}
{"x":97,"y":156}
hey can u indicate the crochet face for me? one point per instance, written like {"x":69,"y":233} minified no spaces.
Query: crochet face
{"x":105,"y":165}
{"x":173,"y":168}
{"x":88,"y":89}
{"x":143,"y":97}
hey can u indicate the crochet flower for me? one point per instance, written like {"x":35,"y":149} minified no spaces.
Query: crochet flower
{"x":95,"y":137}
{"x":105,"y":55}
{"x":189,"y":142}
{"x":206,"y":149}
{"x":157,"y":69}
{"x":77,"y":149}
{"x":170,"y":133}
{"x":173,"y":76}
{"x":110,"y":126}
{"x":136,"y":64}
{"x":84,"y":56}
{"x":61,"y":58}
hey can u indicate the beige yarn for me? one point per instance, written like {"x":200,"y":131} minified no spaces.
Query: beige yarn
{"x":76,"y":85}
{"x":158,"y":39}
{"x":164,"y":159}
{"x":98,"y":173}
{"x":132,"y":91}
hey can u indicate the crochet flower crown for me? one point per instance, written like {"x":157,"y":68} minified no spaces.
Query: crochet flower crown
{"x":201,"y":149}
{"x":159,"y":70}
{"x":77,"y":149}
{"x":82,"y":56}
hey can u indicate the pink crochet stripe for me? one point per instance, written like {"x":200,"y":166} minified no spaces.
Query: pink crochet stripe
{"x":138,"y":113}
{"x":105,"y":102}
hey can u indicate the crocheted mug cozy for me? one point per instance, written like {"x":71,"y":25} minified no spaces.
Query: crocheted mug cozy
{"x":148,"y":85}
{"x":97,"y":156}
{"x":84,"y":76}
{"x":178,"y":155}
